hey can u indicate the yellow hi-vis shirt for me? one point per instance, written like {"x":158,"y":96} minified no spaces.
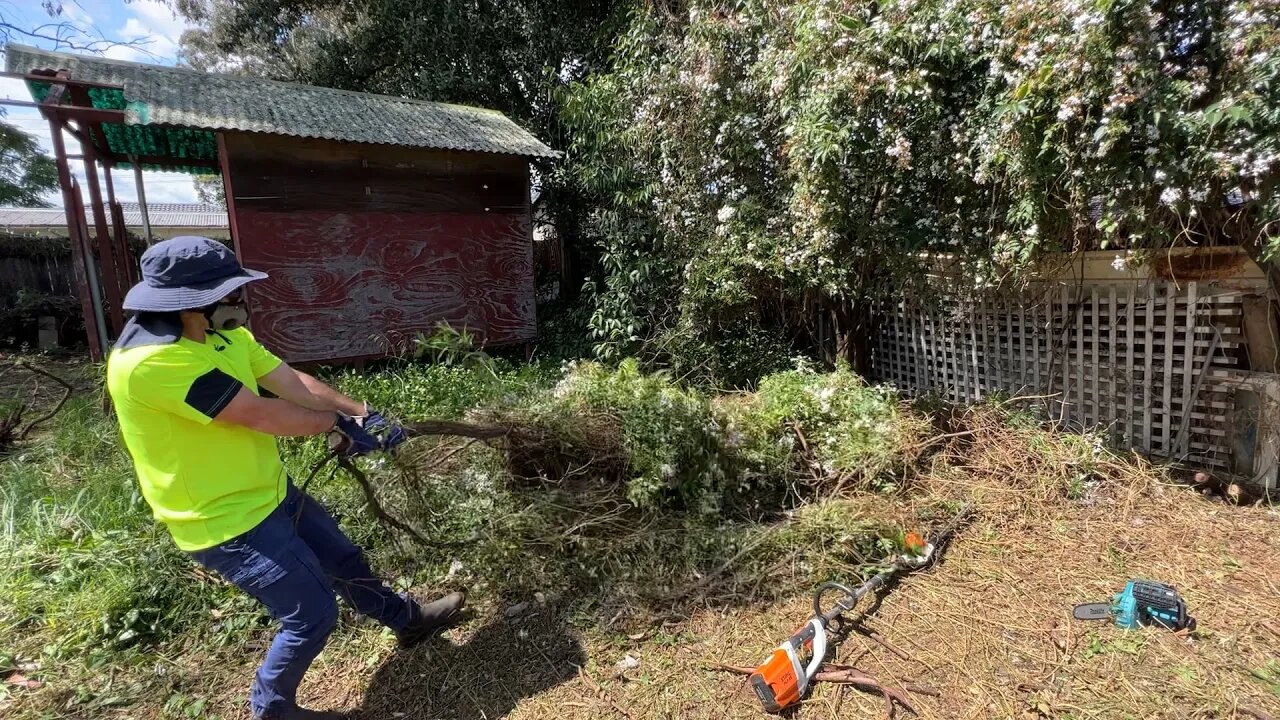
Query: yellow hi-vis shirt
{"x":207,"y":482}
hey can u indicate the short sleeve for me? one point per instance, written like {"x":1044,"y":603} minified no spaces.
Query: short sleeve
{"x":261,"y":360}
{"x":183,"y":384}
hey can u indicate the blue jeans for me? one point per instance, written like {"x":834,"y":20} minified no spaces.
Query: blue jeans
{"x":294,"y":562}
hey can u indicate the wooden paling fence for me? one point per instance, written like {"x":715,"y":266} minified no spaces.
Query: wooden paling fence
{"x":1154,"y":363}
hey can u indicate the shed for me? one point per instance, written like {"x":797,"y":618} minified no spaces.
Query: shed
{"x":377,"y":217}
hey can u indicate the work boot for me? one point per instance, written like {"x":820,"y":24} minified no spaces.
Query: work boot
{"x":432,"y":618}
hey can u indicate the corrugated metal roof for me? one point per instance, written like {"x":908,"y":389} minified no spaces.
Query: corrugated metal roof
{"x":160,"y":95}
{"x":162,"y":215}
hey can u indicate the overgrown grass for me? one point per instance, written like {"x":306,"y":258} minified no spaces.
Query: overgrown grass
{"x":712,"y":499}
{"x":86,"y":576}
{"x":87,"y":571}
{"x":707,"y":498}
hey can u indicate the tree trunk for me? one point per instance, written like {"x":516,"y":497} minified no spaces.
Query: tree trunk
{"x":852,"y":327}
{"x":840,"y":331}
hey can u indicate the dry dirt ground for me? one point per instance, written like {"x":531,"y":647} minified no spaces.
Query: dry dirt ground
{"x":990,"y":630}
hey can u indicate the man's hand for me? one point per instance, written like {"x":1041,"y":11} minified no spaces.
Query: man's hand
{"x":391,"y":435}
{"x":350,"y":439}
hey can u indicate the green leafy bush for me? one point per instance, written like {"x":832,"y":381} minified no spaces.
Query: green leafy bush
{"x":563,"y":332}
{"x":814,"y":157}
{"x":685,"y":450}
{"x":672,"y":445}
{"x":825,"y":425}
{"x":732,"y":353}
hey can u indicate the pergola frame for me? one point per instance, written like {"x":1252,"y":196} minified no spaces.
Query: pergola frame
{"x":68,"y":108}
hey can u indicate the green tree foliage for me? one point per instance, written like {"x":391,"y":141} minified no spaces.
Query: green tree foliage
{"x":757,"y":161}
{"x":209,"y":189}
{"x":26,"y":174}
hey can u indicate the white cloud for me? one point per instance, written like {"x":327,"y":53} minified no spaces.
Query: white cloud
{"x":76,"y":13}
{"x":154,"y":28}
{"x":14,"y":89}
{"x":129,"y":52}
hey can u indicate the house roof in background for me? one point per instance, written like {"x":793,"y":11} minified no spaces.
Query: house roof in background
{"x":162,"y":215}
{"x":156,"y":95}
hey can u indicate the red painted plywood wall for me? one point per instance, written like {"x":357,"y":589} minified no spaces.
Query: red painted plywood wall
{"x":368,"y":246}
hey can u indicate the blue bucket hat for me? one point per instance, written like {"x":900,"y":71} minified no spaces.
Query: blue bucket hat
{"x":186,"y":273}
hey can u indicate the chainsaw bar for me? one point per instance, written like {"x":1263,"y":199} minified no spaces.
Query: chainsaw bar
{"x":1092,"y":611}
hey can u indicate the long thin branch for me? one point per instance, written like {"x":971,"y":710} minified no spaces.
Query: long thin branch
{"x":477,"y":433}
{"x":372,"y":499}
{"x":66,"y":36}
{"x":380,"y":512}
{"x":66,"y":395}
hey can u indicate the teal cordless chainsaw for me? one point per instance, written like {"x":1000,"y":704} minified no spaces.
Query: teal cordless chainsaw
{"x":1142,"y":603}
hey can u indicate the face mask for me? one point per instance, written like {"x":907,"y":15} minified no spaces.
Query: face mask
{"x":226,"y":316}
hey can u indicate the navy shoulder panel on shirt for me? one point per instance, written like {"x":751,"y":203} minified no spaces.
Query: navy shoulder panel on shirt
{"x":212,"y":392}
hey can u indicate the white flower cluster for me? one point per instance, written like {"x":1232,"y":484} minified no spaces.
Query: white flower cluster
{"x":901,"y":151}
{"x":1070,"y":107}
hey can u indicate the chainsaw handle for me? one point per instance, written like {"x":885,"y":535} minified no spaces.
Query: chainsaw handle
{"x":840,"y":606}
{"x":819,"y":652}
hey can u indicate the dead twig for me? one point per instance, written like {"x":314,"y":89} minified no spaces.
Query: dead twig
{"x":939,"y":438}
{"x":815,"y":468}
{"x":67,"y":390}
{"x":870,"y":634}
{"x":372,"y":499}
{"x":600,"y":692}
{"x":1253,"y":713}
{"x":1018,"y":398}
{"x":833,"y":673}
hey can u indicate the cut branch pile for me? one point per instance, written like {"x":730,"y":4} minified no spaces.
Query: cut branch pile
{"x":536,"y":453}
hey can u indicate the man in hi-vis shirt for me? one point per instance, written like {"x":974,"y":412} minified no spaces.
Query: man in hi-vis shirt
{"x":186,"y":378}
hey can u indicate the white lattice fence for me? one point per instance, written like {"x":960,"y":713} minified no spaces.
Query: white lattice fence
{"x":1135,"y":357}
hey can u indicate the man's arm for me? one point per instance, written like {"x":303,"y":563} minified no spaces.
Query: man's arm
{"x":302,"y":389}
{"x":273,"y":416}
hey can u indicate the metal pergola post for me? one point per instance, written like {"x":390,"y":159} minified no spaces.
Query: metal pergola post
{"x":86,"y":273}
{"x":106,"y":255}
{"x":142,"y":198}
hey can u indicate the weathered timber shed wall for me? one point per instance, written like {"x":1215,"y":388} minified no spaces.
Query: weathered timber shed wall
{"x":369,"y":245}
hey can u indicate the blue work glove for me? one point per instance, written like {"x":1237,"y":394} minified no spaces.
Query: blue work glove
{"x":391,"y":435}
{"x":352,"y":440}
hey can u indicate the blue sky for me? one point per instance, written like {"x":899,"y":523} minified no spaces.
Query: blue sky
{"x":147,"y":21}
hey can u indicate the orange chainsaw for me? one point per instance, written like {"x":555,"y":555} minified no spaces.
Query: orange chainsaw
{"x":784,"y":678}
